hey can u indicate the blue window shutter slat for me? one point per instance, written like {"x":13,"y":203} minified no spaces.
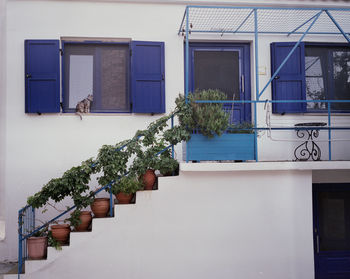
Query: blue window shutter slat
{"x":147,"y":77}
{"x":289,"y":83}
{"x":42,"y":76}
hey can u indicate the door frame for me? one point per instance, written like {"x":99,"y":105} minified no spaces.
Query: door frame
{"x":319,"y":256}
{"x":244,"y":49}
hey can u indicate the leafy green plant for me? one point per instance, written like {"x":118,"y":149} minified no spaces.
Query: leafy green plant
{"x":113,"y":161}
{"x":167,"y":165}
{"x":74,"y":183}
{"x":128,"y":185}
{"x":53,"y":242}
{"x":209,"y":118}
{"x":241,"y":128}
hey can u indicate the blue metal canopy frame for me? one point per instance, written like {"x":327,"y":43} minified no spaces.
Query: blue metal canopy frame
{"x":264,"y":20}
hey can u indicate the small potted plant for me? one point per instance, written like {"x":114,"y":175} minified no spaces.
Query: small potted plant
{"x":61,"y":232}
{"x":125,"y":188}
{"x":80,"y":220}
{"x":37,"y":245}
{"x":100,"y":207}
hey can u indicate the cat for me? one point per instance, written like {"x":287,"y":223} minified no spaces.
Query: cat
{"x":84,"y":105}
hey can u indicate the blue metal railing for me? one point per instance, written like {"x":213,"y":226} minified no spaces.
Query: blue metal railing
{"x":26,"y":215}
{"x":255,"y":129}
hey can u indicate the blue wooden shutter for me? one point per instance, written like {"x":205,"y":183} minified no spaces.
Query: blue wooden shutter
{"x":289,"y":83}
{"x":147,"y":77}
{"x":42,"y":76}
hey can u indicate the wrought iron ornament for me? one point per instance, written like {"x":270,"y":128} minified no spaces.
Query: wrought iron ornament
{"x":308,"y":149}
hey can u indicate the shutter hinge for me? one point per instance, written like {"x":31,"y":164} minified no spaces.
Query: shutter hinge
{"x":130,"y":106}
{"x":61,"y":51}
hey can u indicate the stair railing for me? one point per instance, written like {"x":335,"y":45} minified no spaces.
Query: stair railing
{"x":26,"y":215}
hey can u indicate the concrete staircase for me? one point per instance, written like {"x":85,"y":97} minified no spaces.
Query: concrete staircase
{"x":197,"y":225}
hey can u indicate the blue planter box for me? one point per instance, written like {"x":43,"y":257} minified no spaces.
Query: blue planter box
{"x":225,"y":147}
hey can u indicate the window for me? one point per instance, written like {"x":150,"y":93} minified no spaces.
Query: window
{"x":98,"y":69}
{"x":122,"y":77}
{"x":314,"y":72}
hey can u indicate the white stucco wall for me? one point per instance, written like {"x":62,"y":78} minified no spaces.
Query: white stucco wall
{"x":39,"y":148}
{"x":250,"y":224}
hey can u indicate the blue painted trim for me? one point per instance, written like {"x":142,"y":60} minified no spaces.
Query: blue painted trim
{"x":337,"y":25}
{"x":256,"y":45}
{"x":172,"y":146}
{"x":290,"y":53}
{"x":187,"y":57}
{"x":110,"y":201}
{"x":301,"y":25}
{"x":264,"y":32}
{"x":244,"y":21}
{"x":265,"y":8}
{"x":20,"y":233}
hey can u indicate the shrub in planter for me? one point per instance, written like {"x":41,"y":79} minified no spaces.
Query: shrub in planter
{"x":208,"y":118}
{"x":125,"y":188}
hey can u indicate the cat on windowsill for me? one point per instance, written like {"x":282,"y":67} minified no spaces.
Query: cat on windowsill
{"x":84,"y":106}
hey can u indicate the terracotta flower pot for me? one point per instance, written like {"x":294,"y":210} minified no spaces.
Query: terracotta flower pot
{"x":61,"y":233}
{"x":124,"y":198}
{"x":85,"y":218}
{"x":149,"y":178}
{"x":37,"y":247}
{"x":100,"y":207}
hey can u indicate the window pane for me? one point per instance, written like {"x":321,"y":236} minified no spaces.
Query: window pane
{"x":217,"y":70}
{"x":98,"y":69}
{"x":334,"y":211}
{"x":315,"y":76}
{"x":114,"y":80}
{"x":341,"y":72}
{"x":315,"y":91}
{"x":80,"y":78}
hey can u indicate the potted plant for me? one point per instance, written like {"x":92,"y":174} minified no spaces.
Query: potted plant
{"x":100,"y":207}
{"x":61,"y":232}
{"x":80,"y":220}
{"x":37,"y":245}
{"x":212,"y":137}
{"x":167,"y":165}
{"x":125,"y":188}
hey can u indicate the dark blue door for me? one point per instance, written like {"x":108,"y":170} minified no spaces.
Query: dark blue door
{"x":332,"y":230}
{"x":225,"y":67}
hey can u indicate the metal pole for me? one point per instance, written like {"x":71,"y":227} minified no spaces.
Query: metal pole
{"x":186,"y":55}
{"x":172,"y":146}
{"x":19,"y":243}
{"x":187,"y":66}
{"x":256,"y":82}
{"x":110,"y":201}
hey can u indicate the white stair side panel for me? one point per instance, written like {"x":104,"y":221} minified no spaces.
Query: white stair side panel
{"x":251,"y":225}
